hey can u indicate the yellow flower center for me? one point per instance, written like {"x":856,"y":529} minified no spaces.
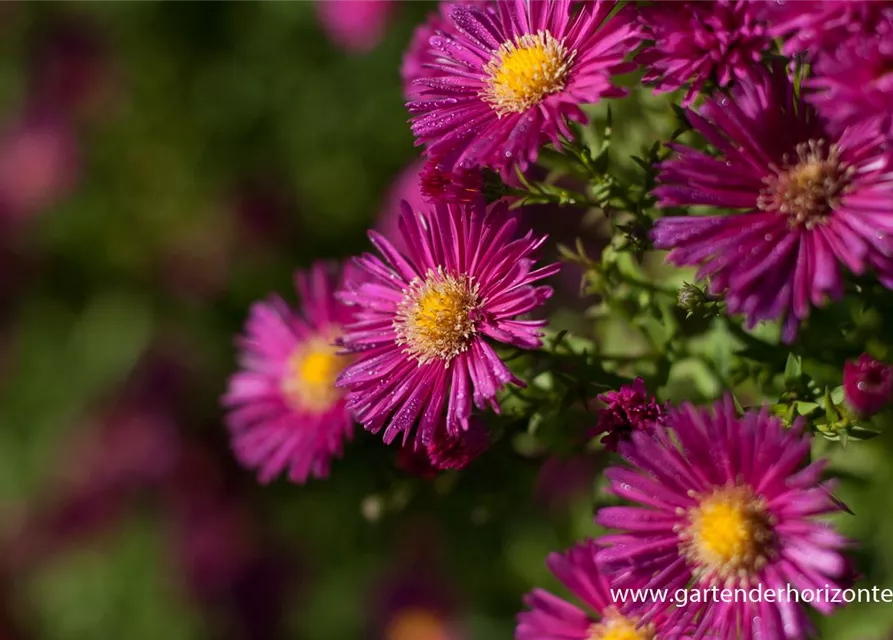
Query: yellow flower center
{"x":310,"y":373}
{"x":436,"y":319}
{"x":525,"y":70}
{"x":729,"y":534}
{"x":808,"y":188}
{"x":416,"y":624}
{"x":615,"y":626}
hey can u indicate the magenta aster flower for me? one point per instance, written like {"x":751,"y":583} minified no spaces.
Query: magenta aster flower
{"x":552,"y":618}
{"x":867,"y":384}
{"x":695,"y":42}
{"x":820,"y":27}
{"x":427,"y":318}
{"x":420,"y":58}
{"x":511,"y":75}
{"x":811,"y":201}
{"x":629,"y":409}
{"x":726,"y":501}
{"x":285,"y":411}
{"x":854,"y":83}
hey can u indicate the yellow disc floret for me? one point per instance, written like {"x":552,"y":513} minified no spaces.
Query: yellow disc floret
{"x":729,"y":534}
{"x":437,"y":317}
{"x":525,"y":70}
{"x":615,"y":626}
{"x":309,"y":380}
{"x":809,"y":187}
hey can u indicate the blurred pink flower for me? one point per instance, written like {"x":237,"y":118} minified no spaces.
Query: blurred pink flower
{"x":355,"y":25}
{"x":38,"y":165}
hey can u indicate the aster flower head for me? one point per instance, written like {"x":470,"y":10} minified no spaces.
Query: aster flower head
{"x":725,"y":501}
{"x":510,"y":75}
{"x":629,"y":409}
{"x":552,"y":618}
{"x":854,"y":83}
{"x":816,"y":28}
{"x":867,"y":384}
{"x":695,"y":42}
{"x":284,"y":409}
{"x":809,"y":201}
{"x":427,"y":319}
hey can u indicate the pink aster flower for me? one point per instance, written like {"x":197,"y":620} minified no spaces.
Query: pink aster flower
{"x":695,"y":42}
{"x":511,"y":75}
{"x":553,"y":618}
{"x":820,"y":27}
{"x":420,"y":58}
{"x":355,"y":25}
{"x":809,"y":201}
{"x":285,"y":411}
{"x":854,"y":83}
{"x":725,"y":501}
{"x":427,"y":319}
{"x":867,"y":385}
{"x":629,"y":409}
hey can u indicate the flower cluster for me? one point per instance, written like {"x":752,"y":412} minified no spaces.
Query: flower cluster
{"x":777,"y":187}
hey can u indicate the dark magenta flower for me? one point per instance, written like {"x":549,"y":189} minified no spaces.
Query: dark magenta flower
{"x":508,"y":76}
{"x":446,"y":452}
{"x":459,"y":185}
{"x":854,"y":82}
{"x":427,"y":319}
{"x":809,"y":203}
{"x":867,"y":384}
{"x":724,"y":501}
{"x":816,"y":28}
{"x":696,"y":42}
{"x":629,"y":409}
{"x":285,"y":410}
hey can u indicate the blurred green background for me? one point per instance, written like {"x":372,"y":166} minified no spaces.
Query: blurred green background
{"x":163,"y":165}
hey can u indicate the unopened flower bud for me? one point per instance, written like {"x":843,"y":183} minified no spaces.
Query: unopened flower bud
{"x":867,"y":384}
